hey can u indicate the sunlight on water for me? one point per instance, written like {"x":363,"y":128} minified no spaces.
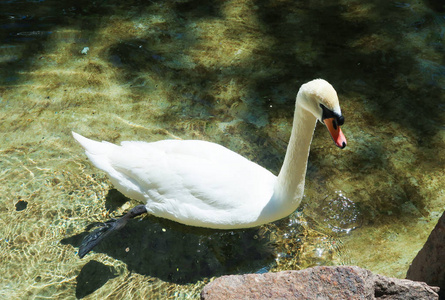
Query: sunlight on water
{"x":226,"y":72}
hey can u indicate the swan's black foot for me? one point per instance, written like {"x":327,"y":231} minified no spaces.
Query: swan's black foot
{"x":95,"y":237}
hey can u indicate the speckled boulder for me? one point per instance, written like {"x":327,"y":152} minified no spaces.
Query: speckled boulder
{"x":317,"y":283}
{"x":429,"y":264}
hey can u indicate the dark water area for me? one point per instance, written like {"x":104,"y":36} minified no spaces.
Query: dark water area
{"x":227,"y":72}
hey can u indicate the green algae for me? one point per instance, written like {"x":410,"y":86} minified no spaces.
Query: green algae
{"x":225,"y":72}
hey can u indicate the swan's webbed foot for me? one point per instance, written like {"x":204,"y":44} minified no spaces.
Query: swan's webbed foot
{"x":95,"y":237}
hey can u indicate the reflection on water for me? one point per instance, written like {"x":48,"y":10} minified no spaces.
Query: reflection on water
{"x":226,"y":72}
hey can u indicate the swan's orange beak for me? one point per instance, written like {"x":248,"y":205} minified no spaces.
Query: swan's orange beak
{"x":335,"y":131}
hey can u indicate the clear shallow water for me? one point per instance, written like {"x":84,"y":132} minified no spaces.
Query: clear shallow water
{"x":227,"y":72}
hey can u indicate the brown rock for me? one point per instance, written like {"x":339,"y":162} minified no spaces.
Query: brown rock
{"x":317,"y":283}
{"x":429,"y":264}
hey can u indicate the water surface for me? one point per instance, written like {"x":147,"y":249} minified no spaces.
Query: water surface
{"x":227,"y":72}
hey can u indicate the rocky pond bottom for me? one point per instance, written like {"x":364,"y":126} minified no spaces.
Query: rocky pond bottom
{"x":318,"y":283}
{"x":343,"y":282}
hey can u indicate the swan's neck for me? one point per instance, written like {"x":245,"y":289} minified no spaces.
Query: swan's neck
{"x":290,"y":183}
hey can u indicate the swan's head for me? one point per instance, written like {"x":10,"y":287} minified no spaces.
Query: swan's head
{"x":320,"y":98}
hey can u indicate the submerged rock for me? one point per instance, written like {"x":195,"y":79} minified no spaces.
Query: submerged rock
{"x":429,"y":264}
{"x":340,"y":282}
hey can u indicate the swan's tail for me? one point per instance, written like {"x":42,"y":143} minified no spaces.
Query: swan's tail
{"x":97,"y":152}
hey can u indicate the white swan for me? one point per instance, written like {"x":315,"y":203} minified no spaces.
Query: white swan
{"x":204,"y":184}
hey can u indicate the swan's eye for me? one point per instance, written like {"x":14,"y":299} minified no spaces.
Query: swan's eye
{"x":341,"y":120}
{"x":327,"y":114}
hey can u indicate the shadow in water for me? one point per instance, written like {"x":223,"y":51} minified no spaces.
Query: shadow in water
{"x":183,"y":254}
{"x":92,"y":277}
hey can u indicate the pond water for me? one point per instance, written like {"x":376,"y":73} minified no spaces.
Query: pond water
{"x":227,"y":72}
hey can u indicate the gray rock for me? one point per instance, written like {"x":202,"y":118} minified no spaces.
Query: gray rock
{"x":429,"y":264}
{"x":317,"y":283}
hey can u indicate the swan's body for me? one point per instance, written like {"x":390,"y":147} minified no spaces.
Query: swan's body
{"x":192,"y":182}
{"x":204,"y":184}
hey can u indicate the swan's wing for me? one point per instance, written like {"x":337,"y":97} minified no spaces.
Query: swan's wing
{"x":192,"y":182}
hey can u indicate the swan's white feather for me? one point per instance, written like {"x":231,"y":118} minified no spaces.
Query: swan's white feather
{"x":193,"y":182}
{"x":204,"y":184}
